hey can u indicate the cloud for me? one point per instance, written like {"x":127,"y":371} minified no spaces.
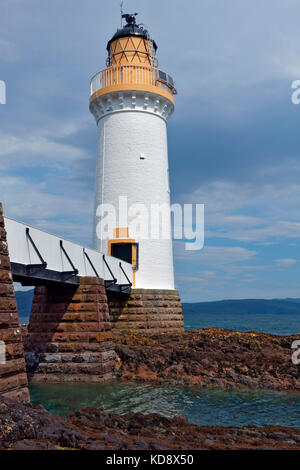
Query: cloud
{"x":286,"y":262}
{"x":28,"y":151}
{"x":47,"y":146}
{"x":229,"y":207}
{"x":214,"y":255}
{"x":8,"y":51}
{"x":46,"y":177}
{"x":66,"y":215}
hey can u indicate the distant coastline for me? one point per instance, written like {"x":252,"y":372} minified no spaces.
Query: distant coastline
{"x":222,"y":307}
{"x":245,"y":306}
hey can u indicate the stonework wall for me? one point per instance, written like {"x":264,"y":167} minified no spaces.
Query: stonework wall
{"x":146,"y":312}
{"x":69,"y":335}
{"x":13,"y":378}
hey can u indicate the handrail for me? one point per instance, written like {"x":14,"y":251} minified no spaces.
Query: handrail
{"x":128,"y":75}
{"x":124,"y":75}
{"x":129,"y":282}
{"x":75,"y":271}
{"x":43,"y":264}
{"x":114,"y":280}
{"x":90,"y":261}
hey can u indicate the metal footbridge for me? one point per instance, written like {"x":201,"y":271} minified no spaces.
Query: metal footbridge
{"x":40,"y":258}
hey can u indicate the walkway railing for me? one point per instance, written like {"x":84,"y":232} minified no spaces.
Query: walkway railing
{"x":129,"y":75}
{"x":35,"y":254}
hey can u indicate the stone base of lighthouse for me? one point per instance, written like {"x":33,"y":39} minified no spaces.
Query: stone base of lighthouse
{"x":146,"y":312}
{"x":13,"y":378}
{"x":69,"y":336}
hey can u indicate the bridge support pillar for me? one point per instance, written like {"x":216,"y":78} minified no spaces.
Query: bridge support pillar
{"x":69,"y":336}
{"x":146,"y":312}
{"x":13,"y":378}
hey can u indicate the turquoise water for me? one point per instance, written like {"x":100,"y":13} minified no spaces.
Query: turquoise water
{"x":278,"y":324}
{"x":200,"y":406}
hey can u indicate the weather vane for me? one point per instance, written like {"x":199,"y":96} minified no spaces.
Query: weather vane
{"x":121,"y":7}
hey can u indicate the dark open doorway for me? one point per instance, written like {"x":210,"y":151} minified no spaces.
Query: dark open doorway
{"x":122,"y":251}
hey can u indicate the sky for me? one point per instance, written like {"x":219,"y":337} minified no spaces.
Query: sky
{"x":233,"y":139}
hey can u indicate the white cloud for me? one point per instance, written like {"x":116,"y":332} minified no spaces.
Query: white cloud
{"x":8,"y":51}
{"x":66,"y":129}
{"x":31,"y":150}
{"x":214,"y":255}
{"x":286,"y":262}
{"x":229,"y":205}
{"x":65,"y":215}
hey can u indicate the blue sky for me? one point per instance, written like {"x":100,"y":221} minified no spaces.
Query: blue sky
{"x":233,"y":140}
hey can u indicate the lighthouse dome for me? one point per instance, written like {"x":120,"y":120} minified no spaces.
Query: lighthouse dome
{"x":130,"y":29}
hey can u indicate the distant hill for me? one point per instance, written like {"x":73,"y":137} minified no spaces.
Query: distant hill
{"x":223,"y":307}
{"x":244,"y":307}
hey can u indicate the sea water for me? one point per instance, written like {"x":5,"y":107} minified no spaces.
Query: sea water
{"x":206,"y":407}
{"x":277,"y":324}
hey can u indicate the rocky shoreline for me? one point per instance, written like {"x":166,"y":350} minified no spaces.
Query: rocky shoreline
{"x":206,"y":358}
{"x":210,"y":358}
{"x":29,"y":427}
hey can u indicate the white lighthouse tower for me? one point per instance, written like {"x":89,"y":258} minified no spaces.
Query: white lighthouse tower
{"x":132,"y":101}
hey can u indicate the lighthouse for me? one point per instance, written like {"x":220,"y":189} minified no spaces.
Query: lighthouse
{"x":132,"y":101}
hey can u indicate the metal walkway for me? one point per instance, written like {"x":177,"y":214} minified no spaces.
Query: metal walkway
{"x":39,"y":258}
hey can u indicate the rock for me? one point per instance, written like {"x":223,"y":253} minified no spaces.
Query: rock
{"x":210,"y":358}
{"x":156,"y":445}
{"x":208,"y":442}
{"x":27,"y":444}
{"x":27,"y":427}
